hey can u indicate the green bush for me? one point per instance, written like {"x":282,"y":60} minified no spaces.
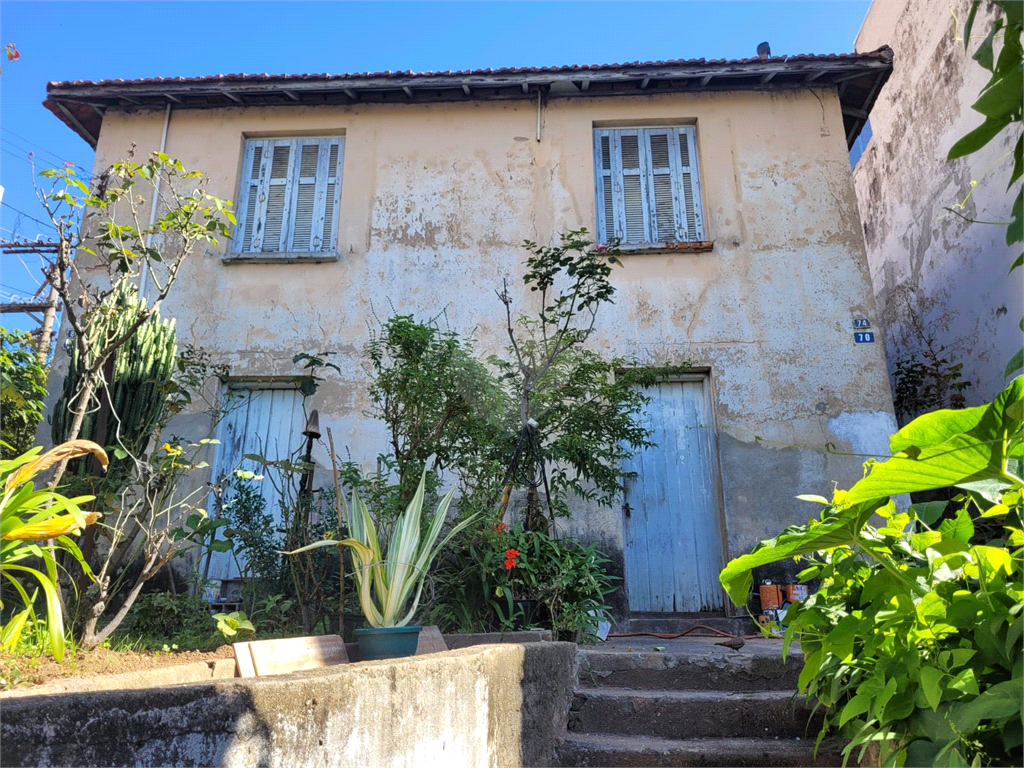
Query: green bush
{"x":165,"y":615}
{"x":22,"y":389}
{"x":477,"y":585}
{"x":913,"y":642}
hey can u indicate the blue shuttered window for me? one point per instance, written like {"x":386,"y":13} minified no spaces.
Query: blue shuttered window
{"x":648,"y":185}
{"x":289,"y":197}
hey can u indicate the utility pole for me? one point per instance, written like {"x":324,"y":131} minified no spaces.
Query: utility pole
{"x":48,"y":308}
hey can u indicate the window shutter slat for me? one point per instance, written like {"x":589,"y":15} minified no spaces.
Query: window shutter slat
{"x":663,"y":201}
{"x":689,"y":182}
{"x":691,"y":217}
{"x":337,"y":163}
{"x":664,"y":209}
{"x":305,"y":198}
{"x":275,"y":218}
{"x":320,"y":202}
{"x":633,"y":200}
{"x":261,"y":189}
{"x":609,"y":205}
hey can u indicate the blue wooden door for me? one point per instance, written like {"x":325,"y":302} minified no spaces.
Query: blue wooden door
{"x":265,"y":421}
{"x":673,"y":542}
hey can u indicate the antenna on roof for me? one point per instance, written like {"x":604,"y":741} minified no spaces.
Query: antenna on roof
{"x":764,"y":50}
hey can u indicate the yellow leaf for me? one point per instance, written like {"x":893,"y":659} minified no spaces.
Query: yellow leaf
{"x":61,"y":525}
{"x":69,"y":450}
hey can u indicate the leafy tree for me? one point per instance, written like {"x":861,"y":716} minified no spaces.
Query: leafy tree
{"x":149,"y":521}
{"x":121,"y":254}
{"x":574,"y":416}
{"x":440,"y":404}
{"x":21,"y":392}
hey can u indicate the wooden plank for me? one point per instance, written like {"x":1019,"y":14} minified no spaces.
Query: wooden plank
{"x":431,"y":641}
{"x":687,"y":472}
{"x":243,"y":660}
{"x":709,"y":528}
{"x":634,"y":532}
{"x":278,"y":657}
{"x":26,"y":306}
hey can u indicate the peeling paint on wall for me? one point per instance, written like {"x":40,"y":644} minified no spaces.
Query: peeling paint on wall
{"x":436,"y":202}
{"x":867,"y":432}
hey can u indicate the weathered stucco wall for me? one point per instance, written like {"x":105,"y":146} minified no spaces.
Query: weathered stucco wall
{"x":436,"y":200}
{"x":930,"y":267}
{"x":494,"y":706}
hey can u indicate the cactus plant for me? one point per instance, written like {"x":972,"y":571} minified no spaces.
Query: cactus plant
{"x":138,"y":389}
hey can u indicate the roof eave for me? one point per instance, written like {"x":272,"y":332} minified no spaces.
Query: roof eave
{"x":858,"y":78}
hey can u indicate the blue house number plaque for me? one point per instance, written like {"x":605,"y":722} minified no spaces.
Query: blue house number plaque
{"x":864,"y":337}
{"x":861,"y":322}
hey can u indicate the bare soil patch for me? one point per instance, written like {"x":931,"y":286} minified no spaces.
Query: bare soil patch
{"x":18,"y":670}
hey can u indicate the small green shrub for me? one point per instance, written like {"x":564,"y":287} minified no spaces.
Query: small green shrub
{"x":165,"y":615}
{"x":489,"y":569}
{"x":234,"y":626}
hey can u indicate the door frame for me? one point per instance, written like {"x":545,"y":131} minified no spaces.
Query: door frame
{"x":703,"y":374}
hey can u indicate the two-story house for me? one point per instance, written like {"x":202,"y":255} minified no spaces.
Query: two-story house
{"x":728,"y":183}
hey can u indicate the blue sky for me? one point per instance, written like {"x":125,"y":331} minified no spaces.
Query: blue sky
{"x":94,"y":41}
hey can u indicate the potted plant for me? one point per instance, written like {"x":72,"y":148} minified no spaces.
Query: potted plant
{"x":387,"y":581}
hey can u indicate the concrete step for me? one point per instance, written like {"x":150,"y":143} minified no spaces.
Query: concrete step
{"x":688,"y":665}
{"x":635,"y":751}
{"x":691,"y":714}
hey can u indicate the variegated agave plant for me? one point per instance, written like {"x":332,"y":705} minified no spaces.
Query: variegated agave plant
{"x":386,"y":581}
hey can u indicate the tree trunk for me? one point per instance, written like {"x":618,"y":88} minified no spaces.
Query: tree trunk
{"x":90,"y":637}
{"x":88,"y":388}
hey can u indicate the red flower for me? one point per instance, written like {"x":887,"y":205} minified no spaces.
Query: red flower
{"x":501,"y":527}
{"x":510,"y":564}
{"x":510,"y":558}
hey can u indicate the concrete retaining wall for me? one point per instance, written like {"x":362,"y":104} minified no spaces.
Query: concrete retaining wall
{"x":497,"y":705}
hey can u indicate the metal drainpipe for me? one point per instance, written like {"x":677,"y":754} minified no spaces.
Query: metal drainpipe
{"x":539,"y":92}
{"x":156,"y":201}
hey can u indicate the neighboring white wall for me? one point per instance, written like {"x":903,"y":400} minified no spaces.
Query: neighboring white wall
{"x":953,"y":273}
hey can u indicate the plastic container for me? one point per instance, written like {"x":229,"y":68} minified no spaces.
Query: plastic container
{"x":387,"y":642}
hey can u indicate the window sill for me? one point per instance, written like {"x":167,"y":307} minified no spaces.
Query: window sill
{"x":670,"y":247}
{"x":304,"y":257}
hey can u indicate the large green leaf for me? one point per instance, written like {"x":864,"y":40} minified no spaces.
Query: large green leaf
{"x":1003,"y":95}
{"x":984,"y":54}
{"x":836,"y":528}
{"x":1001,"y":700}
{"x":1017,"y":361}
{"x":978,"y":138}
{"x":936,"y":427}
{"x":977,"y":454}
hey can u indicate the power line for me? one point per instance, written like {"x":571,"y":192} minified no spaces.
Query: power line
{"x":33,"y":218}
{"x":36,"y":144}
{"x":64,"y":161}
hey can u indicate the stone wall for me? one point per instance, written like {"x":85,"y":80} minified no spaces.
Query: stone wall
{"x":493,"y":706}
